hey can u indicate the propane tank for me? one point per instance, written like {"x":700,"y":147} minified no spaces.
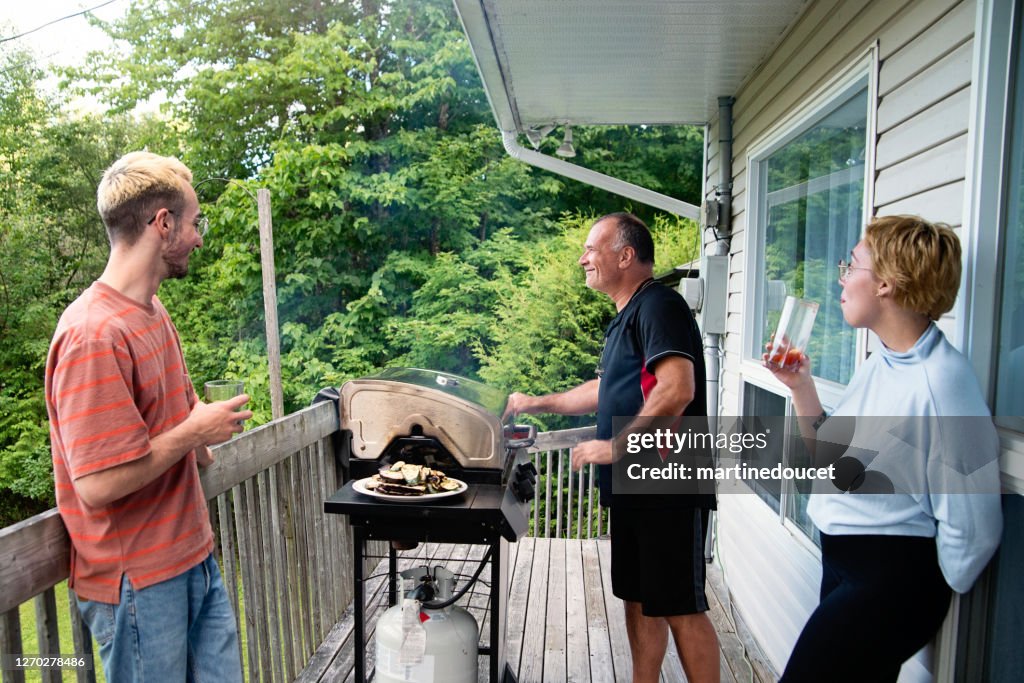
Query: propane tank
{"x":419,"y":644}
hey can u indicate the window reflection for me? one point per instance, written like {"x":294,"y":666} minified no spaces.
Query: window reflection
{"x":813,"y":209}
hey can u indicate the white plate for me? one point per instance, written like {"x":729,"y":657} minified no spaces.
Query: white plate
{"x":360,"y":487}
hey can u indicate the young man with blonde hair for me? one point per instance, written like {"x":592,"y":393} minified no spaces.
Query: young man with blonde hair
{"x":128,"y":434}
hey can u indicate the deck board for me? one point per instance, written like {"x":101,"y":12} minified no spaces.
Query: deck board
{"x":531,"y":664}
{"x":576,"y":646}
{"x":518,"y":601}
{"x":564,"y":624}
{"x":615,"y":613}
{"x":601,"y":669}
{"x":555,"y":624}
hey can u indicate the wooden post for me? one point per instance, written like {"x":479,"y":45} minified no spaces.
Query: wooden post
{"x":270,"y":302}
{"x":47,"y":634}
{"x":10,"y":643}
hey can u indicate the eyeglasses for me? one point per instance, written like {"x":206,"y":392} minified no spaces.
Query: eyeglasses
{"x":845,"y":268}
{"x":202,"y":223}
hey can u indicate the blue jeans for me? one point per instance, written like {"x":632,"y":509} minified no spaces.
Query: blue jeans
{"x":182,"y":629}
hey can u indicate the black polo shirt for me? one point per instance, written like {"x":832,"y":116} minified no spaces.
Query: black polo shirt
{"x":655,"y":324}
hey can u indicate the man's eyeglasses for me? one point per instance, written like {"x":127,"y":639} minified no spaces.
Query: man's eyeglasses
{"x":202,"y":223}
{"x":845,"y":268}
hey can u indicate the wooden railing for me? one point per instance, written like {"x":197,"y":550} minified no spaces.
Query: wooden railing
{"x":286,"y":565}
{"x":287,"y":561}
{"x":567,"y":504}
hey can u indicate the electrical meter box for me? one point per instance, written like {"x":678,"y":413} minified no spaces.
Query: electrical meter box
{"x":715,"y":294}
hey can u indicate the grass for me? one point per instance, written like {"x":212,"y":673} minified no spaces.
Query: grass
{"x":30,"y":641}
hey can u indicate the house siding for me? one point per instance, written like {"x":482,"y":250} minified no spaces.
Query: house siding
{"x":925,"y":54}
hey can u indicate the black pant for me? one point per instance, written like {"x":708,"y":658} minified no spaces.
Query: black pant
{"x":883,"y":598}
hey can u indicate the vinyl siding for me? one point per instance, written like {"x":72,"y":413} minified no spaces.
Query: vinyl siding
{"x":921,"y":146}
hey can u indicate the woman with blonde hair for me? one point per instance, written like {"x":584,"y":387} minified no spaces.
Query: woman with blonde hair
{"x":914,"y":512}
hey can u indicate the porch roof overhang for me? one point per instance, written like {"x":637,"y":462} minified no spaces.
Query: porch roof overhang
{"x":611,"y":62}
{"x":604,"y":62}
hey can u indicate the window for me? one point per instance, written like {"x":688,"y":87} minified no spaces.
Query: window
{"x":809,"y":213}
{"x":798,"y":492}
{"x":784,"y":447}
{"x":758,"y":402}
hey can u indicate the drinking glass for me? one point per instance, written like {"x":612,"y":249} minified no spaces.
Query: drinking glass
{"x":794,"y":331}
{"x":223,"y":389}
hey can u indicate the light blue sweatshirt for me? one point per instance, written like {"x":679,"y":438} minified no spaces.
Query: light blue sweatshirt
{"x":922,"y":424}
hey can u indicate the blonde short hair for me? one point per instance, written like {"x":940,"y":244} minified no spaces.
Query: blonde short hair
{"x":920,"y":259}
{"x":137,"y":184}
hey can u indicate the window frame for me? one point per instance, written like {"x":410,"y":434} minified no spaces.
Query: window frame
{"x":818,"y":105}
{"x":786,"y":490}
{"x":981,"y":294}
{"x":979,"y":299}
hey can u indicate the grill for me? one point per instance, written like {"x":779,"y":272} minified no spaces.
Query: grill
{"x":448,"y":423}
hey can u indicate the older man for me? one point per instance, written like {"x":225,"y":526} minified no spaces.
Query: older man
{"x":128,"y":433}
{"x":652,"y":365}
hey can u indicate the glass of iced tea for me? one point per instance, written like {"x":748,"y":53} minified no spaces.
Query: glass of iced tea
{"x":791,"y":336}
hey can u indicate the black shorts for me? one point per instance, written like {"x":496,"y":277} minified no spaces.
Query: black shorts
{"x":658,"y":559}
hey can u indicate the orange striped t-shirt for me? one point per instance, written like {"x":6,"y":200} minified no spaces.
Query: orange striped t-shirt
{"x":115,"y":378}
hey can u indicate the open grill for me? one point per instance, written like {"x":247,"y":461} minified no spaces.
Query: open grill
{"x":448,"y":423}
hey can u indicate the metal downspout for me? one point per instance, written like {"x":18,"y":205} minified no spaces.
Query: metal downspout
{"x":719,"y":247}
{"x":600,"y":180}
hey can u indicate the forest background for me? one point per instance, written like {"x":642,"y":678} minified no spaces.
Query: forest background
{"x":404,"y":234}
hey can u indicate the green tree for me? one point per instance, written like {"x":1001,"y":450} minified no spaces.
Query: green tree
{"x":547,"y":331}
{"x":52,"y":245}
{"x":404,"y":233}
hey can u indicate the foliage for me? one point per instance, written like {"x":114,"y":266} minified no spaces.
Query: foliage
{"x":52,"y":245}
{"x":404,"y":234}
{"x":548,"y":331}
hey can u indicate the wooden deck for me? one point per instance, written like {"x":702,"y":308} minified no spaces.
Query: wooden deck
{"x":564,"y":623}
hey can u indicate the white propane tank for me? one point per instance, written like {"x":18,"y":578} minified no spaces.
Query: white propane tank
{"x":419,"y":645}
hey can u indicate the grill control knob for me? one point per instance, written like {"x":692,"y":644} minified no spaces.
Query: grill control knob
{"x":523,"y":483}
{"x":523,"y":489}
{"x":526,"y":472}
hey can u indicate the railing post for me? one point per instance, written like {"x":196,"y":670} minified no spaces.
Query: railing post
{"x":579,"y":505}
{"x":47,"y":633}
{"x":10,"y":643}
{"x":81,"y":638}
{"x":547,"y":497}
{"x":537,"y":502}
{"x":568,"y":500}
{"x":590,"y":504}
{"x":558,"y":502}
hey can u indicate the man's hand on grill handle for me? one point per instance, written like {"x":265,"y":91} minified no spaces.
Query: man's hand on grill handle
{"x":579,"y":400}
{"x":597,"y":452}
{"x":519,"y":404}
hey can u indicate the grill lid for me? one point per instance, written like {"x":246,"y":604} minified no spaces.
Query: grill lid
{"x":462,"y":414}
{"x":491,"y":399}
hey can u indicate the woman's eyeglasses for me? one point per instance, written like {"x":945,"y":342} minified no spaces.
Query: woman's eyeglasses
{"x":845,"y":268}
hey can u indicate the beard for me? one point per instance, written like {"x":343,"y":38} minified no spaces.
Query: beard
{"x":175,"y":269}
{"x":176,"y":256}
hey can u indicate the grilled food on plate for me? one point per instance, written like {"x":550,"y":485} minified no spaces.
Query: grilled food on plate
{"x":401,"y":479}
